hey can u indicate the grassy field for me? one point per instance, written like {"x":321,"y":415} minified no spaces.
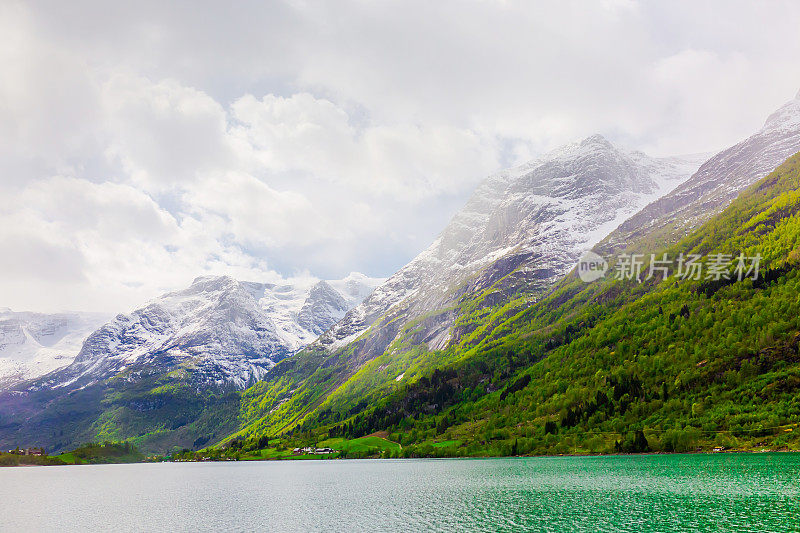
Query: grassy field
{"x":447,"y":444}
{"x":370,"y":445}
{"x":363,"y":447}
{"x":10,"y":459}
{"x":69,"y":458}
{"x":273,"y":453}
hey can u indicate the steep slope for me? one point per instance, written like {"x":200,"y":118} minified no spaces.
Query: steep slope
{"x":519,"y":233}
{"x":169,"y":371}
{"x":34,"y":344}
{"x":718,"y":181}
{"x":671,"y":364}
{"x":535,"y":219}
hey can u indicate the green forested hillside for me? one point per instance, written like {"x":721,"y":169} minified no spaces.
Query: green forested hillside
{"x":615,"y":365}
{"x":155,"y":412}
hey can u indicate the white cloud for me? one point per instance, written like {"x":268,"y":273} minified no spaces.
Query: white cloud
{"x":144,"y":144}
{"x":164,"y":133}
{"x":296,"y":133}
{"x":255,"y":214}
{"x":70,"y":242}
{"x":48,"y":103}
{"x":107,"y":209}
{"x":314,"y":136}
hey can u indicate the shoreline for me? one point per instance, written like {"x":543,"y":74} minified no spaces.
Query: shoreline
{"x":474,"y":457}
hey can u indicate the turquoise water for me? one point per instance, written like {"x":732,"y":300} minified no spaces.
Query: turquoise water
{"x":722,"y":492}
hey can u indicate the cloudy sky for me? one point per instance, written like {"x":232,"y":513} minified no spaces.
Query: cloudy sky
{"x":145,"y":143}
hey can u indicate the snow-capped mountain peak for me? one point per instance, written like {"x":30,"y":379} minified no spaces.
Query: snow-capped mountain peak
{"x":225,"y":330}
{"x":323,"y":307}
{"x":354,"y":287}
{"x":715,"y":184}
{"x":786,"y":118}
{"x":33,"y":344}
{"x":534,"y":219}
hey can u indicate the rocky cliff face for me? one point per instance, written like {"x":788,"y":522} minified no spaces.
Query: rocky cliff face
{"x":534,"y":220}
{"x":718,"y":181}
{"x":322,"y":309}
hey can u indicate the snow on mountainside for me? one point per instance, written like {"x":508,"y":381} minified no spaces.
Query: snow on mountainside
{"x":224,"y":330}
{"x":33,"y":344}
{"x":713,"y":186}
{"x":535,"y":220}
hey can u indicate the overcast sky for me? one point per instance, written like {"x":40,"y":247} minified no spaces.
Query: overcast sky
{"x":145,"y":143}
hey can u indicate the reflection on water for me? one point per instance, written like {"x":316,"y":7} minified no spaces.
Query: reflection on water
{"x":745,"y":492}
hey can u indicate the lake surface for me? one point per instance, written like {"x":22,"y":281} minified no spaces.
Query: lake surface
{"x":729,"y":492}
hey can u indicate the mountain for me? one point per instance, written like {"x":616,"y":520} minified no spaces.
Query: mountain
{"x":407,"y":328}
{"x":535,"y":219}
{"x":718,"y":181}
{"x":519,"y":233}
{"x":668,"y":364}
{"x":511,"y":344}
{"x":227,"y":331}
{"x":34,"y":344}
{"x":168,"y":373}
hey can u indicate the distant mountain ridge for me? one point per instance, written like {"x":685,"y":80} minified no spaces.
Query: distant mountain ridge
{"x":225,"y":331}
{"x":170,"y":372}
{"x":504,"y":253}
{"x":407,"y":327}
{"x":589,"y":360}
{"x":34,"y":344}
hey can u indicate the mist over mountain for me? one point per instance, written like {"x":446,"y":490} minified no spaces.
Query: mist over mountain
{"x":718,"y":181}
{"x":521,"y":231}
{"x":534,"y":221}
